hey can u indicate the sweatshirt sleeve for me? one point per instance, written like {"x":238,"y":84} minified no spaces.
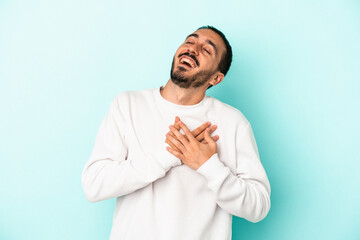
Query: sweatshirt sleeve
{"x":245,"y":194}
{"x":109,"y":173}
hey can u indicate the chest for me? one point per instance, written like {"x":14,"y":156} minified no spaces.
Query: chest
{"x":147,"y":126}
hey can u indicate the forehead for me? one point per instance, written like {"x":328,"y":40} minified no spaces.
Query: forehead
{"x":208,"y":34}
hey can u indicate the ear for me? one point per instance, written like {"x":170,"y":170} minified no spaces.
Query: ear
{"x":217,"y":78}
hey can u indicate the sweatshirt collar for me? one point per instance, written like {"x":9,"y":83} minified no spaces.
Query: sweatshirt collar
{"x":166,"y":103}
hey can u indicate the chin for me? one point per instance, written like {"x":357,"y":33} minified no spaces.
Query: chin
{"x":182,"y":69}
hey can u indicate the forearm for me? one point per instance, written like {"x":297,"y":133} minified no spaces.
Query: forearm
{"x":245,"y":198}
{"x":105,"y":178}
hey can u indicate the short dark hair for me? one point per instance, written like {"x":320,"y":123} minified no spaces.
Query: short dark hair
{"x":226,"y":58}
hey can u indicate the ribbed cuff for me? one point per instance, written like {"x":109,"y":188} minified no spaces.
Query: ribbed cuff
{"x":165,"y":159}
{"x":212,"y":168}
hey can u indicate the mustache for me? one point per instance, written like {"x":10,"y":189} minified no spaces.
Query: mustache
{"x":191,"y":56}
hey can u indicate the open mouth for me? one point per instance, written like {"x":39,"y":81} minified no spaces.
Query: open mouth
{"x":187,"y":61}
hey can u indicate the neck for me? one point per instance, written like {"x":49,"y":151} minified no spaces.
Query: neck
{"x":182,"y":96}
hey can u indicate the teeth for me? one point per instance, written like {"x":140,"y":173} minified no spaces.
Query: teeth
{"x":185,"y":59}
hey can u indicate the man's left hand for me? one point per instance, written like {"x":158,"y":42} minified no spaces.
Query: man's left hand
{"x":193,"y":153}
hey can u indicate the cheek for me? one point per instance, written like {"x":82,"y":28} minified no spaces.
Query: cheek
{"x":207,"y":63}
{"x":215,"y":64}
{"x":179,"y":50}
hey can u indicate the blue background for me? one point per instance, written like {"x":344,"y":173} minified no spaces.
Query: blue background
{"x":295,"y":76}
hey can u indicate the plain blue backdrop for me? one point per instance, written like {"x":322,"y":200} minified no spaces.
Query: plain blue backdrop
{"x":295,"y":76}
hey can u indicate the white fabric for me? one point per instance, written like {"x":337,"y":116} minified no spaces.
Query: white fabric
{"x":160,"y":198}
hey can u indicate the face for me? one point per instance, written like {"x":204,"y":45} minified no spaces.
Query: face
{"x":196,"y":61}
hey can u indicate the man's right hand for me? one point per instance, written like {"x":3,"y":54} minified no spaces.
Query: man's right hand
{"x":198,"y":133}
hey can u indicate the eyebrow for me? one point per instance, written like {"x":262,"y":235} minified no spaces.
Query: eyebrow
{"x":207,"y":40}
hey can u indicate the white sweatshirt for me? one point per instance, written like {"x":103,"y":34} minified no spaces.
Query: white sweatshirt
{"x":160,"y":198}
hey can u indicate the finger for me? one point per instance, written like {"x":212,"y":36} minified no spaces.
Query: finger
{"x":200,"y":129}
{"x":187,"y":132}
{"x":176,"y":125}
{"x":181,"y":138}
{"x":208,"y":138}
{"x":172,"y":134}
{"x":172,"y":145}
{"x":176,"y":154}
{"x":215,"y":138}
{"x":200,"y":137}
{"x":176,"y":142}
{"x":177,"y":128}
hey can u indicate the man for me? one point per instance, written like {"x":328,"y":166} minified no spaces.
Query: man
{"x":179,"y":182}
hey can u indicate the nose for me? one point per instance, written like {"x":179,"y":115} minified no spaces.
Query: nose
{"x":194,"y":49}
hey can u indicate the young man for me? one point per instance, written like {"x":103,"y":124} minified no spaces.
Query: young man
{"x":178,"y":182}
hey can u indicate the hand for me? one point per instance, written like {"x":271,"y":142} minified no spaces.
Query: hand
{"x":193,"y":152}
{"x":198,"y":133}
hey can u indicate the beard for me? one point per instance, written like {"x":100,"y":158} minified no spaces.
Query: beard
{"x":194,"y":81}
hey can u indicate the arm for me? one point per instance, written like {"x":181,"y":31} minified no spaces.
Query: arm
{"x":245,"y":194}
{"x":109,"y":173}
